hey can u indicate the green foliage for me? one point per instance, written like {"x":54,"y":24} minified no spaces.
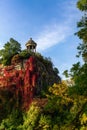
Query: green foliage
{"x":24,"y":54}
{"x":65,"y":73}
{"x":56,"y":71}
{"x":46,"y":61}
{"x":79,"y":75}
{"x":59,"y":105}
{"x":7,"y":101}
{"x":31,"y":118}
{"x":13,"y":121}
{"x":9,"y":50}
{"x":45,"y":122}
{"x":82,"y":5}
{"x":67,"y":111}
{"x":82,"y":33}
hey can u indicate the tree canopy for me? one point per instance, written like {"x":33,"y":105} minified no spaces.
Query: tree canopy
{"x":82,"y":5}
{"x":9,"y":50}
{"x":82,"y":26}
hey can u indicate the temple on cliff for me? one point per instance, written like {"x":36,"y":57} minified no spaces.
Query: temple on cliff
{"x":31,"y":45}
{"x":28,"y":76}
{"x":21,"y":77}
{"x":18,"y":64}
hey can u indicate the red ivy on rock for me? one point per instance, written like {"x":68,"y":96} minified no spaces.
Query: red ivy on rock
{"x":24,"y":81}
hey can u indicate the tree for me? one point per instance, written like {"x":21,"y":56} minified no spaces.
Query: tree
{"x":78,"y":72}
{"x":9,"y":50}
{"x":82,"y":33}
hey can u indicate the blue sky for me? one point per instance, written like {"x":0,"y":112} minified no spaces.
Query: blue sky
{"x":50,"y":23}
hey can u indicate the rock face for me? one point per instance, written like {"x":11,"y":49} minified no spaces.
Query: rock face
{"x":22,"y":81}
{"x":28,"y":78}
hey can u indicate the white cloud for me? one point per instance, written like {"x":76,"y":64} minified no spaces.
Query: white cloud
{"x":51,"y":35}
{"x":58,"y":32}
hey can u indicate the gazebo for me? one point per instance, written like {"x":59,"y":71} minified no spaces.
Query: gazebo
{"x":31,"y":45}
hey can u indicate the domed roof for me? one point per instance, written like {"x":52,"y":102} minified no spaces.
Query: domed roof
{"x":31,"y":42}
